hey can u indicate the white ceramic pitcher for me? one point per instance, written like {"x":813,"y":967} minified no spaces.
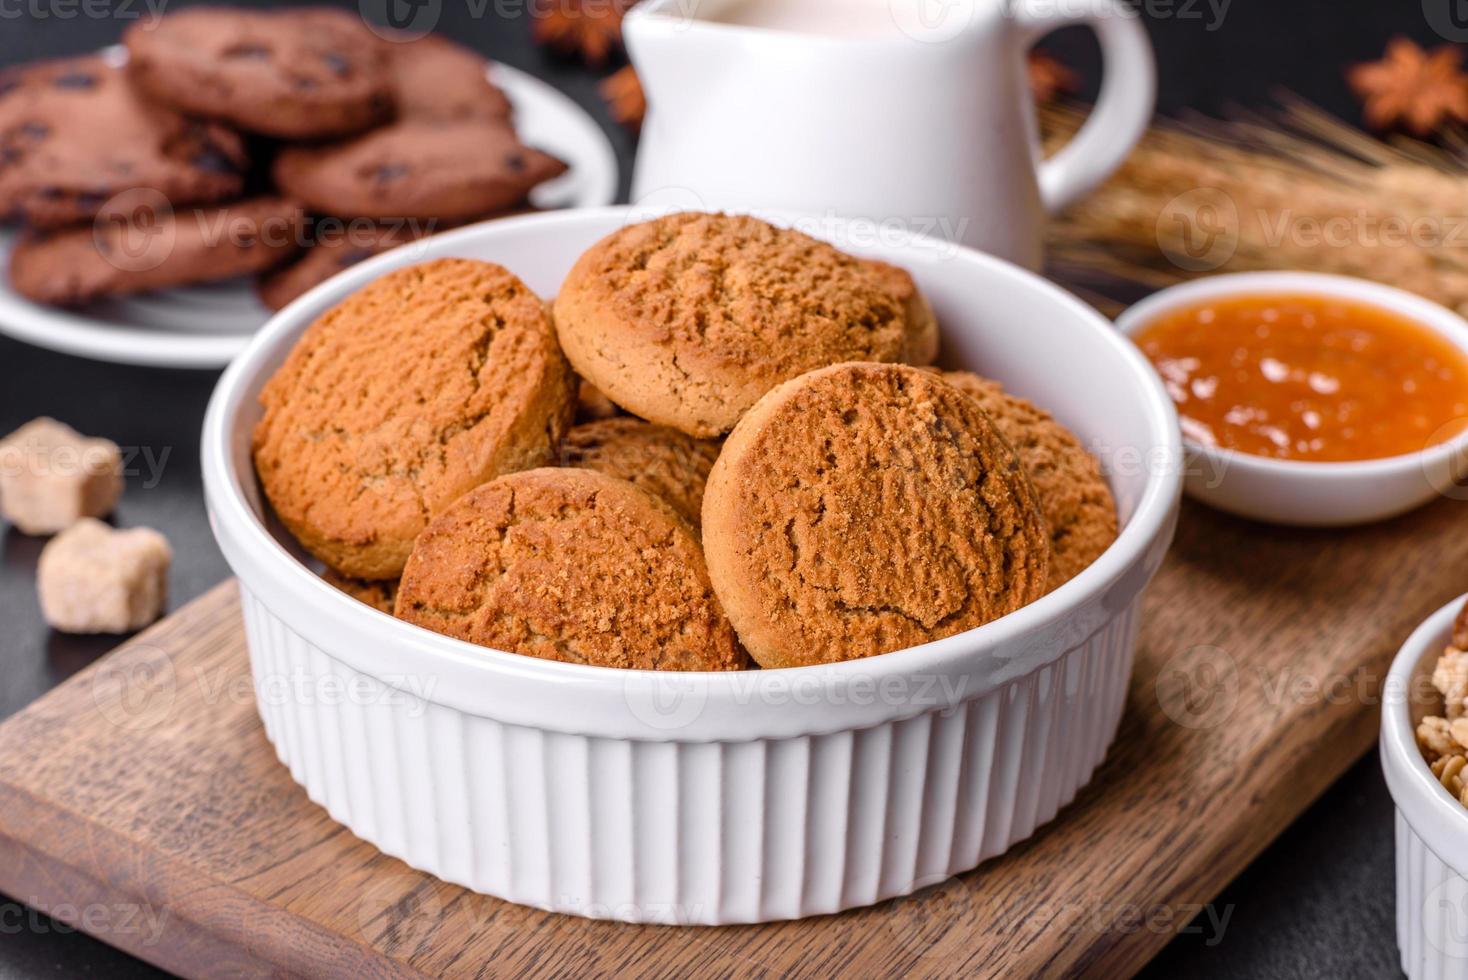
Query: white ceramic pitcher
{"x":914,"y":114}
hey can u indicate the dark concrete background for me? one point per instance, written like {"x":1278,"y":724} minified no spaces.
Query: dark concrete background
{"x":1316,"y":904}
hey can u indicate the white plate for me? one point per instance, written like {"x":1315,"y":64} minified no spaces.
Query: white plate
{"x":206,"y":326}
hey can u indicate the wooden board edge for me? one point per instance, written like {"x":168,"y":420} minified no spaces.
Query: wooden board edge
{"x":74,"y":898}
{"x":46,"y":850}
{"x":64,"y":870}
{"x":1308,"y":781}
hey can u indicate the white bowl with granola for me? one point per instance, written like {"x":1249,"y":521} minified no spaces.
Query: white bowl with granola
{"x":1424,"y":754}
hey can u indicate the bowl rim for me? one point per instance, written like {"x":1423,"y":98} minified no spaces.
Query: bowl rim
{"x":1424,"y":312}
{"x":232,"y":517}
{"x":1427,"y":806}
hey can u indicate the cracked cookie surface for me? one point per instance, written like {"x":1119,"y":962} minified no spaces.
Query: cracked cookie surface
{"x":865,"y":508}
{"x":688,"y":319}
{"x":671,"y":465}
{"x":570,"y":565}
{"x":410,"y":392}
{"x":1077,"y":505}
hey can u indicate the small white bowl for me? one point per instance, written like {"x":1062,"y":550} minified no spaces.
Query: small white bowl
{"x":1431,"y":826}
{"x":718,"y":797}
{"x":1304,"y":493}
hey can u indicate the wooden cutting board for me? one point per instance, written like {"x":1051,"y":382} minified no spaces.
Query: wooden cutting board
{"x":141,"y":801}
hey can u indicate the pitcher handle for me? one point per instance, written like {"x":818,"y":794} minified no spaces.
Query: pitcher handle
{"x":1121,"y":114}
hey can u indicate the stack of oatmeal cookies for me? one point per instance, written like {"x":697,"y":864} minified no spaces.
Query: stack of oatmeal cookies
{"x":767,"y":470}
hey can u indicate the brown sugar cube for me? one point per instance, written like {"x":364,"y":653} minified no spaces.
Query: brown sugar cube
{"x":51,"y":476}
{"x":93,"y":578}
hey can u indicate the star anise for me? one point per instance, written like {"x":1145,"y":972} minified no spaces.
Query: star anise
{"x":623,"y":93}
{"x":1419,"y":89}
{"x":591,"y":29}
{"x":1049,"y":79}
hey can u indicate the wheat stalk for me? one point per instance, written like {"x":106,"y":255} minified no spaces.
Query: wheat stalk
{"x":1292,"y":189}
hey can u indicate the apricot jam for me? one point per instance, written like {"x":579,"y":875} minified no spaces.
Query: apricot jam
{"x":1308,"y":377}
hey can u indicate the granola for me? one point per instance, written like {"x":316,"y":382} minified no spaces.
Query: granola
{"x":1444,"y":738}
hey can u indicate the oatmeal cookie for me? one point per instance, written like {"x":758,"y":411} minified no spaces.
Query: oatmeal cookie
{"x":1074,"y":498}
{"x":688,"y":319}
{"x":380,"y":595}
{"x":570,"y":565}
{"x":592,"y":405}
{"x":412,"y":391}
{"x":666,"y":463}
{"x":865,"y":508}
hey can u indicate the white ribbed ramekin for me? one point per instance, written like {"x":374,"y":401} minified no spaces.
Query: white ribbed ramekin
{"x":1431,"y":825}
{"x":712,"y":798}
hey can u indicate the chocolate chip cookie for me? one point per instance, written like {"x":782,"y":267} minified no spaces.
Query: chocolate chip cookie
{"x":668,"y":464}
{"x":435,"y":79}
{"x":1079,"y":511}
{"x":865,"y":508}
{"x":410,"y":392}
{"x":309,"y":73}
{"x":130,"y":251}
{"x":73,"y":134}
{"x":330,"y":255}
{"x":688,"y":319}
{"x":569,"y":565}
{"x":446,"y":171}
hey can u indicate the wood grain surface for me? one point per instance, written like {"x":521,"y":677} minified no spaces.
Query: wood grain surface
{"x":141,"y":800}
